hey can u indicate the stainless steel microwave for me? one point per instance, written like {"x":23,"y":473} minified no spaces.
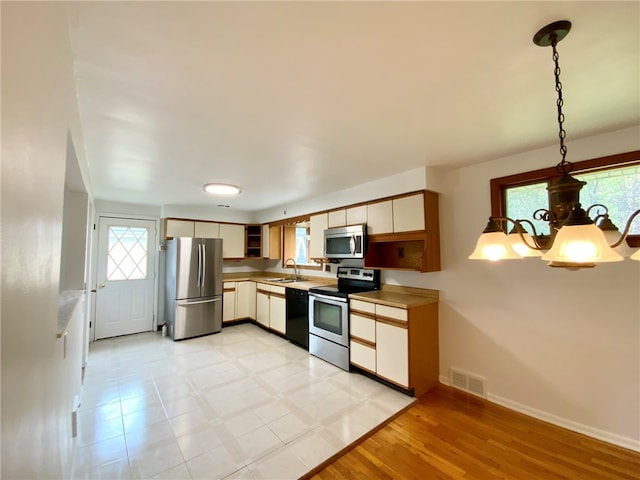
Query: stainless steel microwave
{"x":345,"y":242}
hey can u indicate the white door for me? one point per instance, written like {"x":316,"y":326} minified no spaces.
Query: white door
{"x":125,"y":281}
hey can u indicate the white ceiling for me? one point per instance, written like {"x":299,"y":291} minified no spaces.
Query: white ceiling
{"x":293,"y":100}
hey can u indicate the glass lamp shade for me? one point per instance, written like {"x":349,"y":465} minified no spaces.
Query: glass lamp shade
{"x":581,"y":244}
{"x":494,"y":246}
{"x":636,"y":256}
{"x":612,"y":237}
{"x":523,"y":248}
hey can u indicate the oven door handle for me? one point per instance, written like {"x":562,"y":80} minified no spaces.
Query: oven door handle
{"x":327,"y":297}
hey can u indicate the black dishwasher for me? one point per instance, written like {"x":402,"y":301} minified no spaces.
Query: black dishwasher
{"x":298,"y":317}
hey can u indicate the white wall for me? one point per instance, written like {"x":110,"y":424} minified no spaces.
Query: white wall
{"x":38,"y":110}
{"x":560,"y":345}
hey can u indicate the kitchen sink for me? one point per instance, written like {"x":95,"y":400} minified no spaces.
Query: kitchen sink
{"x":281,"y":280}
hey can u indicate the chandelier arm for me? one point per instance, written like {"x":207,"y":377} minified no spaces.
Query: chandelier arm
{"x":627,"y":227}
{"x":520,"y":231}
{"x":534,"y":236}
{"x":600,"y":215}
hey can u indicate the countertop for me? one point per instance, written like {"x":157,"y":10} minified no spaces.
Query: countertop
{"x":391,"y":295}
{"x":398,"y":296}
{"x":262,"y":277}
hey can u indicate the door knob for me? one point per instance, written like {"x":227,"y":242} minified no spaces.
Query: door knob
{"x":101,"y":285}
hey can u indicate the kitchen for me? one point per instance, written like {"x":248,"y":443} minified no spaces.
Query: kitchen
{"x":494,"y":322}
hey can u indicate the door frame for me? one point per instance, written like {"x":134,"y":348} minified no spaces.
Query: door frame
{"x":94,"y":264}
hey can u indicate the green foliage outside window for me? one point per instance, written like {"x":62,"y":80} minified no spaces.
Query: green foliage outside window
{"x":618,"y":189}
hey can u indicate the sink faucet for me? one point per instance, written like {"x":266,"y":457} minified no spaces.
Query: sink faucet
{"x":295,"y":268}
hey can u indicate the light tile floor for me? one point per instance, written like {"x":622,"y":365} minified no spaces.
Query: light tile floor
{"x":240,"y":404}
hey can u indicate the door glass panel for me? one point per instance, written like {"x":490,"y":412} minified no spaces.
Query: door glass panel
{"x":127,"y":253}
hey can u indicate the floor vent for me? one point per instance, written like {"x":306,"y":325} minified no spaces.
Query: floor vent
{"x":468,"y":382}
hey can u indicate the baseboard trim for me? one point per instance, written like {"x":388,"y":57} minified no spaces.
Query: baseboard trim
{"x":613,"y":438}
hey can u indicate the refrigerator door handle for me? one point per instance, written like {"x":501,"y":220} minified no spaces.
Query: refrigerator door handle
{"x":199,"y":265}
{"x":186,"y":304}
{"x":204,"y":264}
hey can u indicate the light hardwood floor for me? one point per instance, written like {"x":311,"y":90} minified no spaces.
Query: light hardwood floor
{"x":451,"y":435}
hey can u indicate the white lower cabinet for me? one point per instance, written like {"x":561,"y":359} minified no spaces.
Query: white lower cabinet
{"x":363,"y":355}
{"x":271,"y":307}
{"x":246,"y":300}
{"x":262,"y":306}
{"x":228,"y":301}
{"x":392,"y":353}
{"x":277,"y":313}
{"x":399,"y":345}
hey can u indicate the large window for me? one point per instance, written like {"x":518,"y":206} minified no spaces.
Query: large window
{"x":613,"y":181}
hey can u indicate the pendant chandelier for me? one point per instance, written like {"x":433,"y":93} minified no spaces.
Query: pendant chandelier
{"x":574,"y":241}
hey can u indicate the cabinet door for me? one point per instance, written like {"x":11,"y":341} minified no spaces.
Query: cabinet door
{"x":356,"y":215}
{"x":232,"y":236}
{"x":392,"y":353}
{"x":362,"y":327}
{"x":277,"y":314}
{"x":206,"y":230}
{"x":317,"y":225}
{"x":337,"y":218}
{"x":229,"y":301}
{"x":179,"y":228}
{"x":408,"y":213}
{"x":246,"y":300}
{"x":262,"y":309}
{"x":380,"y":217}
{"x":363,"y":356}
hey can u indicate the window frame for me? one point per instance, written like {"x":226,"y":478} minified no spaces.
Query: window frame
{"x":500,"y":185}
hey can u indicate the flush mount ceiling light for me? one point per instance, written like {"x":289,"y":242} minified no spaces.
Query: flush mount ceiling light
{"x":575,"y":241}
{"x":221,"y":189}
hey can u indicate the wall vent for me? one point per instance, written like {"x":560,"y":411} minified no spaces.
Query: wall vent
{"x":468,"y":382}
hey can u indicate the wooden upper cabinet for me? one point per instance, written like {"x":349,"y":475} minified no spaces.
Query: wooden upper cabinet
{"x":408,"y":213}
{"x":317,"y":225}
{"x":337,"y":218}
{"x":271,"y":242}
{"x":380,"y":217}
{"x":179,"y":228}
{"x":206,"y":230}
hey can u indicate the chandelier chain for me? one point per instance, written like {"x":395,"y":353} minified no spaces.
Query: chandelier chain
{"x":564,"y":166}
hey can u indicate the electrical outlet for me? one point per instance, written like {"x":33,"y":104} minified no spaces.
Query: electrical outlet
{"x":401,"y":252}
{"x":327,"y":268}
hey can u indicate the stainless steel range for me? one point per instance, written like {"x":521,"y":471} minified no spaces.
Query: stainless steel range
{"x":329,"y":314}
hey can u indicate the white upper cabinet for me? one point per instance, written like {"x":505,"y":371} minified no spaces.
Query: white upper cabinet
{"x":408,"y":213}
{"x":232,"y":236}
{"x":179,"y":228}
{"x":404,"y":214}
{"x":380,"y":217}
{"x":206,"y":230}
{"x":317,"y":225}
{"x":337,"y":218}
{"x":356,"y":215}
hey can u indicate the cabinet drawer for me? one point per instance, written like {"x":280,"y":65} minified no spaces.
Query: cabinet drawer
{"x":229,"y":286}
{"x":391,"y":312}
{"x":362,"y":327}
{"x":363,"y":306}
{"x":277,"y":289}
{"x":363,"y":356}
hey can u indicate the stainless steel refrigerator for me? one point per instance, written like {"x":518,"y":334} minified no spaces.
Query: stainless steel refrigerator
{"x":193,"y":287}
